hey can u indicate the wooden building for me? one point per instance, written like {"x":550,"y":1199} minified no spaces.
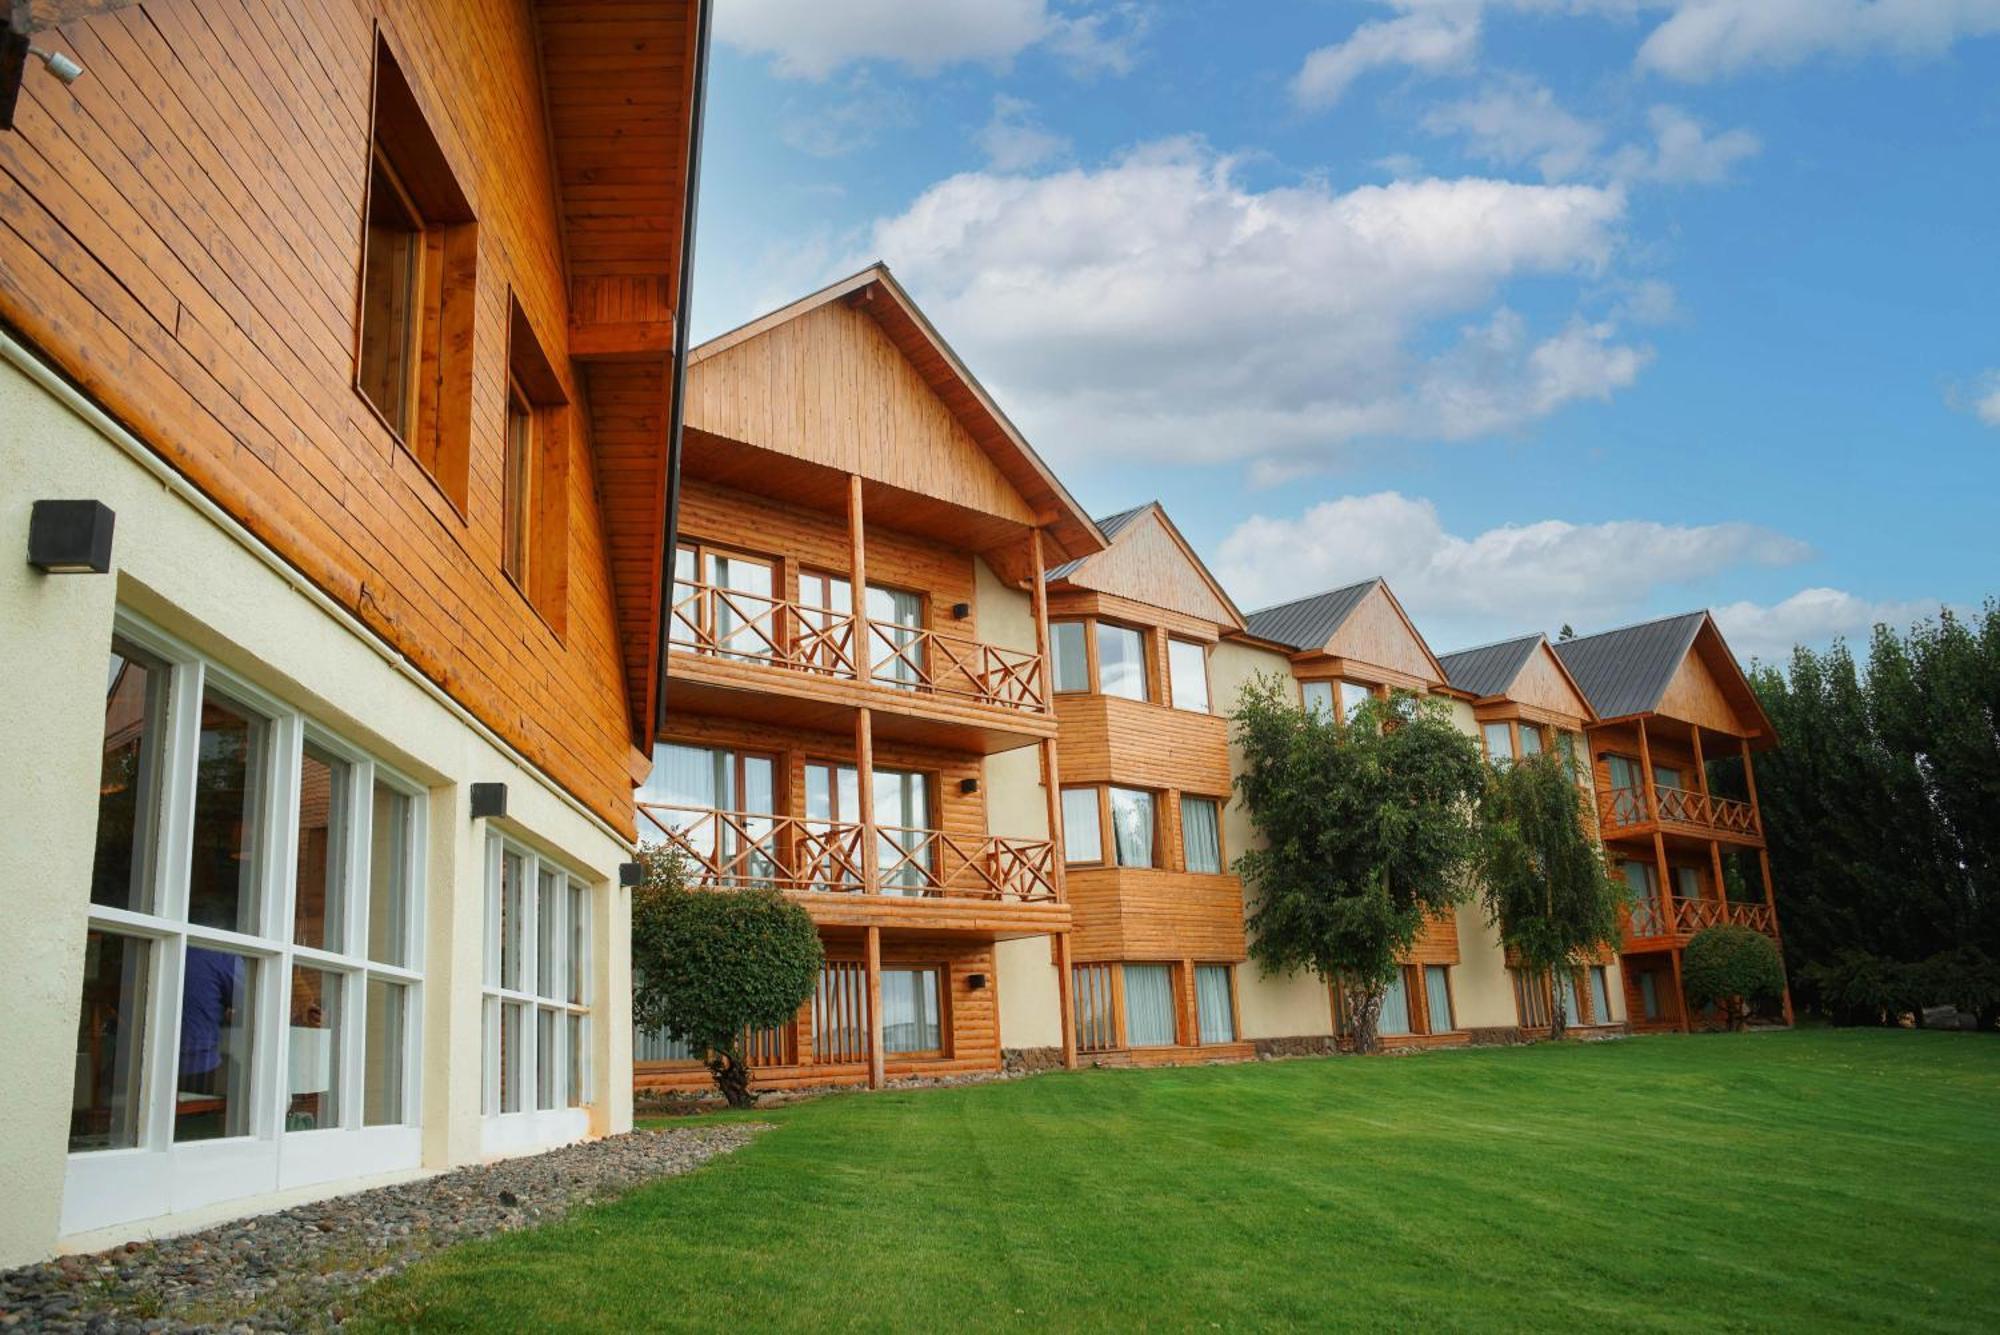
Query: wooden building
{"x":1670,"y":697}
{"x":359,"y":317}
{"x":860,"y":711}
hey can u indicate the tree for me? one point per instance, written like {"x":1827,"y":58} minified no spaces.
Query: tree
{"x":1567,"y":633}
{"x":1736,"y":968}
{"x":1368,"y":830}
{"x":710,"y":966}
{"x":1542,"y":876}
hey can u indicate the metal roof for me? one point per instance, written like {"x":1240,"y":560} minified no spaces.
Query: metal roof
{"x":1623,"y":672}
{"x":1488,"y":669}
{"x":1308,"y":623}
{"x":1111,"y":526}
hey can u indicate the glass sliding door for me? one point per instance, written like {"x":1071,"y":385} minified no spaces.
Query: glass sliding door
{"x":1642,"y":887}
{"x":833,"y":811}
{"x":896,"y":650}
{"x":905,"y":852}
{"x":720,"y":806}
{"x":745,"y":614}
{"x":1628,"y":793}
{"x":825,"y":641}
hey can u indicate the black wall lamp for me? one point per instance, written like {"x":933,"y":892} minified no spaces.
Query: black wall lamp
{"x":631,"y":875}
{"x":968,"y":786}
{"x":961,"y":611}
{"x":975,"y":982}
{"x":70,"y":537}
{"x":489,"y":800}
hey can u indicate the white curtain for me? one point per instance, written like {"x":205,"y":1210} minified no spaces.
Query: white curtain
{"x":1319,"y":698}
{"x":1600,"y":995}
{"x":1437,"y":995}
{"x":902,"y":799}
{"x":910,"y":1011}
{"x":1565,"y":982}
{"x":1200,"y":838}
{"x":1083,"y":839}
{"x":1132,"y":826}
{"x":653,"y":1045}
{"x":1121,"y":662}
{"x":897,"y":616}
{"x":1395,"y":1008}
{"x":1072,"y":665}
{"x":1211,"y":994}
{"x":1149,"y":1005}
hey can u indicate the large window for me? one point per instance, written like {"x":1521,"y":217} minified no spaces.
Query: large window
{"x":1600,"y":995}
{"x":1083,"y":835}
{"x":1531,"y":997}
{"x":1149,"y":1006}
{"x":1201,"y":834}
{"x":1437,"y":998}
{"x":1499,"y":743}
{"x":718,"y":805}
{"x":1215,"y":1007}
{"x":538,"y":995}
{"x":1132,"y":826}
{"x":912,"y":1021}
{"x":1187,"y":670}
{"x":1319,"y":697}
{"x":1395,"y":1017}
{"x":1067,"y":643}
{"x":265,"y":987}
{"x":1121,"y":661}
{"x":534,"y":547}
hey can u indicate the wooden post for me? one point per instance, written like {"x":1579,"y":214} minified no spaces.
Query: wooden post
{"x":1066,"y":1000}
{"x":1038,"y":598}
{"x":857,"y":580}
{"x":874,"y":1008}
{"x":1680,"y":993}
{"x":1665,"y":903}
{"x":1190,"y":1007}
{"x":864,"y":794}
{"x":1646,"y":772}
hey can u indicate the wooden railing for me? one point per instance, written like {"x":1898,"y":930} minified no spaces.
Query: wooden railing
{"x":1684,"y":917}
{"x":746,"y":627}
{"x":1626,"y":806}
{"x":1095,"y":1006}
{"x":737,"y":849}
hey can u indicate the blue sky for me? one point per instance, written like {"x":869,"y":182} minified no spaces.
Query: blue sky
{"x":1548,"y":310}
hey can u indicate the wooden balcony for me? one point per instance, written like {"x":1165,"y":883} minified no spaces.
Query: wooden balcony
{"x":1625,"y":812}
{"x":1661,"y":924}
{"x":729,"y":644}
{"x":930,"y":879}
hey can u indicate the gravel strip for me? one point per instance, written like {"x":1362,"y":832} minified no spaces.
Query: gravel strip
{"x":299,"y":1269}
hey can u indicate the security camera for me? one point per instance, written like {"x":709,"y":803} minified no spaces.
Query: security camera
{"x":58,"y":64}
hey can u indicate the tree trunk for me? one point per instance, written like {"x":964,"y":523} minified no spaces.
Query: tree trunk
{"x":1558,"y":1016}
{"x":732,"y":1077}
{"x":1366,"y":1007}
{"x":1734,"y":1012}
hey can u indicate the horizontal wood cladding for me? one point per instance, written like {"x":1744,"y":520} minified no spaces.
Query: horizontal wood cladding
{"x":1144,"y":745}
{"x":1437,"y":939}
{"x":1149,"y":564}
{"x":1134,"y":913}
{"x":181,"y":232}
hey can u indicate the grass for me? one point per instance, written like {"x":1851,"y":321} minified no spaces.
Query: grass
{"x":1811,"y":1179}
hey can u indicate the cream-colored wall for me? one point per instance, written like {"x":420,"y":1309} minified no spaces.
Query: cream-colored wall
{"x":1482,"y":996}
{"x":1004,"y":614}
{"x":178,"y":568}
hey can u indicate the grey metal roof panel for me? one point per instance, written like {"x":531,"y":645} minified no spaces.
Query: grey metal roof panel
{"x":1624,"y":671}
{"x":1111,"y":526}
{"x":1308,"y":623}
{"x":1489,"y":669}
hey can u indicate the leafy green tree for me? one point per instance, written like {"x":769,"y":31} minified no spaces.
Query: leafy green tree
{"x":1542,"y":876}
{"x":1736,"y":968}
{"x":710,"y":966}
{"x":1368,"y":830}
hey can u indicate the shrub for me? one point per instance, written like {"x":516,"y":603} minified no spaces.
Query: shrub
{"x":1734,"y":968}
{"x":711,"y":966}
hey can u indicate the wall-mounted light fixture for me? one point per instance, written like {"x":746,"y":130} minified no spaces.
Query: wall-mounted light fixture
{"x":489,"y":800}
{"x":968,"y":786}
{"x":961,"y":611}
{"x":58,"y":64}
{"x":631,"y":875}
{"x":975,"y":982}
{"x":70,"y":537}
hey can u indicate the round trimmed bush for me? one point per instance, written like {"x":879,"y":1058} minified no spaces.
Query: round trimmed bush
{"x":1734,"y":968}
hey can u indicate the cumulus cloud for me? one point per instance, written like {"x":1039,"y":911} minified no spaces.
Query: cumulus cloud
{"x":1683,"y":152}
{"x":1516,"y":121}
{"x":1814,"y":617}
{"x":1013,"y":140}
{"x":1428,"y":41}
{"x":1505,"y":580}
{"x":810,"y":39}
{"x":1159,"y":306}
{"x":1981,"y":397}
{"x":1708,"y":39}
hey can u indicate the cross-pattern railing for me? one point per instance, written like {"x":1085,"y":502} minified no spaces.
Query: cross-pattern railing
{"x":1685,"y":917}
{"x":750,"y":627}
{"x":737,"y":849}
{"x":1626,"y":805}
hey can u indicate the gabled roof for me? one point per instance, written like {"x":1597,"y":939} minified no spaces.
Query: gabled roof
{"x":1127,"y":524}
{"x":1489,"y":669}
{"x":876,"y":291}
{"x":1625,"y":671}
{"x":1306,"y":624}
{"x":1110,"y":526}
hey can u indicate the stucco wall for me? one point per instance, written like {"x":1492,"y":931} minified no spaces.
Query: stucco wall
{"x":195,"y":581}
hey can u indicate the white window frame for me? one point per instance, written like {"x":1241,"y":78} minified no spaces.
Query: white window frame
{"x":159,"y":1175}
{"x":530,"y":1126}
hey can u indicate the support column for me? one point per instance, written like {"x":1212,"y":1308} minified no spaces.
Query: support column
{"x":1066,"y":1000}
{"x":1708,"y":812}
{"x":1665,"y":904}
{"x":1038,"y":596}
{"x":874,"y":1008}
{"x":1680,"y":993}
{"x":1764,"y":867}
{"x":864,"y":796}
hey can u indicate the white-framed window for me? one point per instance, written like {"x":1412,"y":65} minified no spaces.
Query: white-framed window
{"x":252,"y":985}
{"x":538,"y":998}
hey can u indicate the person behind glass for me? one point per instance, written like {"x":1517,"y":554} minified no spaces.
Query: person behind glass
{"x":212,"y":997}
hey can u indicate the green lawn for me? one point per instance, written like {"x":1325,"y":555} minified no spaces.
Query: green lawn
{"x":1802,"y":1180}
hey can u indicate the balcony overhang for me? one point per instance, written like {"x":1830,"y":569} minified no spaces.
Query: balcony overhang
{"x":974,"y":919}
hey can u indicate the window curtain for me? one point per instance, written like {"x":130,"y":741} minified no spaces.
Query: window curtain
{"x":653,"y":1045}
{"x":1149,"y":1005}
{"x":1188,"y":666}
{"x":902,"y":799}
{"x":1211,"y":995}
{"x":1319,"y":698}
{"x":1687,"y":883}
{"x":744,"y":627}
{"x":1121,"y":662}
{"x":1072,"y":665}
{"x":1649,"y":996}
{"x":1353,"y":695}
{"x":1200,"y":837}
{"x":1132,"y":826}
{"x":1437,"y":995}
{"x":1600,"y":994}
{"x":1499,"y":744}
{"x":1083,"y":839}
{"x":1565,"y":982}
{"x":1395,"y":1007}
{"x":897,"y":618}
{"x":910,"y":1011}
{"x":1628,"y":799}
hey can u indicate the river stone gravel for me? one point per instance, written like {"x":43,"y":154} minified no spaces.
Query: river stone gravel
{"x":300,"y":1268}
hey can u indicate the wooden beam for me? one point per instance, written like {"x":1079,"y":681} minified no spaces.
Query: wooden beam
{"x":857,"y":579}
{"x":1066,"y":1000}
{"x":864,"y":795}
{"x":874,"y":1008}
{"x":644,"y":340}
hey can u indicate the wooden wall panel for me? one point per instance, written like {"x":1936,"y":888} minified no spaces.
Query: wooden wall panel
{"x":180,"y":233}
{"x":1106,"y":739}
{"x":1374,"y":633}
{"x":1694,"y":695}
{"x":1147,"y":565}
{"x":1543,"y":685}
{"x":1125,"y":913}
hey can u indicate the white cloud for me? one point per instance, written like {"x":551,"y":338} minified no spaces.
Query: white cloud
{"x":1813,"y":617}
{"x":1981,"y":398}
{"x":1158,"y":306}
{"x":1683,"y":153}
{"x":1706,"y":39}
{"x":1432,"y":42}
{"x":836,"y":128}
{"x":810,"y":39}
{"x":1013,"y":140}
{"x":1506,"y":580}
{"x":1516,"y":121}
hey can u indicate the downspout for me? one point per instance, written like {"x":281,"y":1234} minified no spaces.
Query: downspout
{"x":670,"y":535}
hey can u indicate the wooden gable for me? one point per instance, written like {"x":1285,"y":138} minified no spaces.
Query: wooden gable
{"x":1377,"y":633}
{"x":1149,"y":563}
{"x":1543,"y":684}
{"x":1709,"y":689}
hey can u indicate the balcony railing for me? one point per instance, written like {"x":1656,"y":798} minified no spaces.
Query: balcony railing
{"x":1685,"y":917}
{"x":1626,"y":806}
{"x":737,"y":849}
{"x":748,"y":627}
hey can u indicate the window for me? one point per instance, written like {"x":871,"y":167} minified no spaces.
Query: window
{"x":1318,"y":696}
{"x":1649,"y":995}
{"x":1201,"y":835}
{"x":911,"y":1019}
{"x":1121,"y":661}
{"x":1132,"y":826}
{"x":1687,"y":883}
{"x":896,"y":644}
{"x":1215,"y":1011}
{"x":724,"y":604}
{"x":840,"y":1012}
{"x":1566,"y":743}
{"x":1072,"y":657}
{"x":539,"y":985}
{"x":1149,"y":1006}
{"x":1395,"y":1016}
{"x":224,"y":1000}
{"x":1628,"y":796}
{"x":1187,"y":673}
{"x":519,"y":484}
{"x":1083,"y":836}
{"x":717,"y":806}
{"x":1531,"y":998}
{"x":1499,"y":743}
{"x":1531,"y":739}
{"x":534,"y":548}
{"x":1600,"y":995}
{"x":419,"y":258}
{"x":1642,"y":898}
{"x":1565,"y":985}
{"x":1437,"y":998}
{"x":1353,"y":695}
